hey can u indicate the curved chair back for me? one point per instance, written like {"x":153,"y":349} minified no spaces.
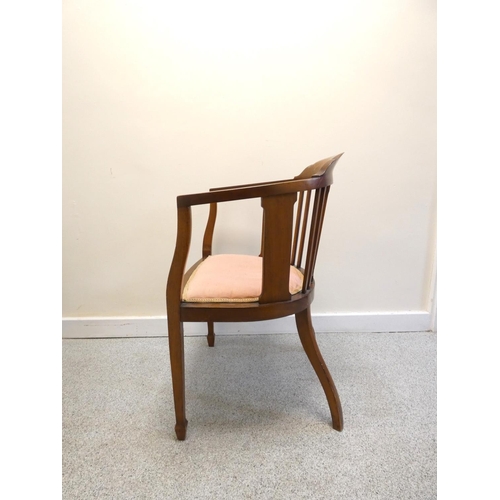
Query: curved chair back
{"x":291,"y":237}
{"x":311,"y":224}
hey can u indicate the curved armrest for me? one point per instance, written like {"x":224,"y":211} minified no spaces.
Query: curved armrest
{"x":252,"y":191}
{"x":255,"y":184}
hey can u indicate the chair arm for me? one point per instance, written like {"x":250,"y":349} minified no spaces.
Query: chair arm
{"x":277,"y":238}
{"x":254,"y":191}
{"x":255,"y":184}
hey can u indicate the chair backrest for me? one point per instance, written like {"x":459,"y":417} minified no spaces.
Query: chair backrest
{"x":309,"y":222}
{"x":291,"y":231}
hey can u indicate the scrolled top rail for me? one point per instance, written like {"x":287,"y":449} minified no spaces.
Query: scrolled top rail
{"x":320,"y":168}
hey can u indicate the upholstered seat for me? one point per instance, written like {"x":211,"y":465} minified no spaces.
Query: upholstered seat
{"x":231,"y":278}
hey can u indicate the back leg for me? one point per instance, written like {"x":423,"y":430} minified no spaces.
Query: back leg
{"x":211,"y":334}
{"x":308,"y":339}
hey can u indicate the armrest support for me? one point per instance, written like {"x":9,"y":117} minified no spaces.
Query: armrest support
{"x":276,"y":247}
{"x":209,"y":231}
{"x":177,"y":268}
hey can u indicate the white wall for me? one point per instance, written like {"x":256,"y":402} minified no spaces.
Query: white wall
{"x":167,"y":98}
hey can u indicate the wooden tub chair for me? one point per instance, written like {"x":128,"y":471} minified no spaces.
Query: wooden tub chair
{"x":278,"y":283}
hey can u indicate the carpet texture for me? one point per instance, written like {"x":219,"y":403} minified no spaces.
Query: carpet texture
{"x":259,"y":424}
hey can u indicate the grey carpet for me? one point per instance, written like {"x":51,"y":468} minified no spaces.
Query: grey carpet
{"x":259,"y":425}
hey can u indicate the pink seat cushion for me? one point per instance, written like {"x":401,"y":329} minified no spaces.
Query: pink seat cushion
{"x":231,"y":278}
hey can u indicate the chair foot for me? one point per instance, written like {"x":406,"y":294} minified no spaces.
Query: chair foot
{"x":176,"y":347}
{"x":308,"y":339}
{"x":211,"y":334}
{"x":180,"y":430}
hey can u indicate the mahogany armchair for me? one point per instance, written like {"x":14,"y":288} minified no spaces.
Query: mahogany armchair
{"x":278,"y":283}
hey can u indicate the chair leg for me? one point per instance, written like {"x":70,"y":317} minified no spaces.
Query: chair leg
{"x":176,"y":347}
{"x":308,"y":339}
{"x":211,"y":334}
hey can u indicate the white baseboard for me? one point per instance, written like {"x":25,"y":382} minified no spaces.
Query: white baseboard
{"x":155,"y":326}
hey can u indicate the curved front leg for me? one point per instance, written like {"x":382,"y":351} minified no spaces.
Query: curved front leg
{"x":175,"y":327}
{"x":308,"y":339}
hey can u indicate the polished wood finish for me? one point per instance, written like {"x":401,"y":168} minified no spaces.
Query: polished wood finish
{"x":287,"y":237}
{"x":308,"y":339}
{"x":305,"y":216}
{"x":278,"y":220}
{"x":175,"y":325}
{"x":211,"y":334}
{"x":209,"y":231}
{"x":320,"y":198}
